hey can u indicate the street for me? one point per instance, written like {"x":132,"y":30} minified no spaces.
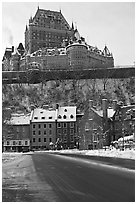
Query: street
{"x":48,"y":177}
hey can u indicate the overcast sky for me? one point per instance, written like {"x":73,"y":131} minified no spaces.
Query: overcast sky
{"x":102,"y":23}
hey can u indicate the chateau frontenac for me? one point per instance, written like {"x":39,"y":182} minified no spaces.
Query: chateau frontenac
{"x":52,"y":44}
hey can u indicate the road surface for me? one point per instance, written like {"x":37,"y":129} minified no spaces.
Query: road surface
{"x":47,"y":177}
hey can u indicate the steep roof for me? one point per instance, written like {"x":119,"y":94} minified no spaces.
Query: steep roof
{"x":62,"y":114}
{"x":55,"y":15}
{"x":110,"y":112}
{"x":67,"y":113}
{"x":42,"y":115}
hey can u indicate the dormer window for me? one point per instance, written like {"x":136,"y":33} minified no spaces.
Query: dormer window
{"x":42,"y":117}
{"x":71,"y":116}
{"x":50,"y":117}
{"x":65,"y":110}
{"x":41,"y":112}
{"x":64,"y":116}
{"x":59,"y":117}
{"x":36,"y":118}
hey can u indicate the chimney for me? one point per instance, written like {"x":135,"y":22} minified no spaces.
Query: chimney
{"x":57,"y":106}
{"x":12,"y":48}
{"x":104,"y":107}
{"x":45,"y":107}
{"x":90,"y":104}
{"x":114,"y":104}
{"x":32,"y":107}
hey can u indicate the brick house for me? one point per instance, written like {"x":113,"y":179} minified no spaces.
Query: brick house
{"x":18,"y":133}
{"x":95,"y":127}
{"x":123,"y":121}
{"x":100,"y":128}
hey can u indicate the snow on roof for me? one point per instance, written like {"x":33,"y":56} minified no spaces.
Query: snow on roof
{"x":110,"y":112}
{"x":67,"y":113}
{"x":42,"y":115}
{"x":20,"y":120}
{"x":62,"y":114}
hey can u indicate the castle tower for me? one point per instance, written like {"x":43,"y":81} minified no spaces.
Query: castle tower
{"x":46,"y":29}
{"x":77,"y":55}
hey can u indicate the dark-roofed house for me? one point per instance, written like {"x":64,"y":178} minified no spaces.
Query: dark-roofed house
{"x":123,"y":121}
{"x":95,"y":127}
{"x":100,"y":128}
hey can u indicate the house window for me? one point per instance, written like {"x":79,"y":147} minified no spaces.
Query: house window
{"x":14,"y":143}
{"x":64,"y":116}
{"x":59,"y":125}
{"x":8,"y":143}
{"x":71,"y":138}
{"x":59,"y":117}
{"x":44,"y":139}
{"x":50,"y":125}
{"x":71,"y":125}
{"x":44,"y":125}
{"x":33,"y":125}
{"x":42,"y":117}
{"x":44,"y":132}
{"x":71,"y":131}
{"x":39,"y":126}
{"x":50,"y":132}
{"x":33,"y":132}
{"x":59,"y":131}
{"x":26,"y":142}
{"x":64,"y":125}
{"x":65,"y":138}
{"x":39,"y":132}
{"x":36,"y":118}
{"x":71,"y":116}
{"x":33,"y":139}
{"x":50,"y":139}
{"x":17,"y":129}
{"x":65,"y":131}
{"x":19,"y":142}
{"x":39,"y":140}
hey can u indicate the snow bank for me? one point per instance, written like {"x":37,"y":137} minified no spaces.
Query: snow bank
{"x":127,"y":154}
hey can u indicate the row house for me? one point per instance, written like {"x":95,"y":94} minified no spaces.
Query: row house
{"x":54,"y":128}
{"x":18,"y":133}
